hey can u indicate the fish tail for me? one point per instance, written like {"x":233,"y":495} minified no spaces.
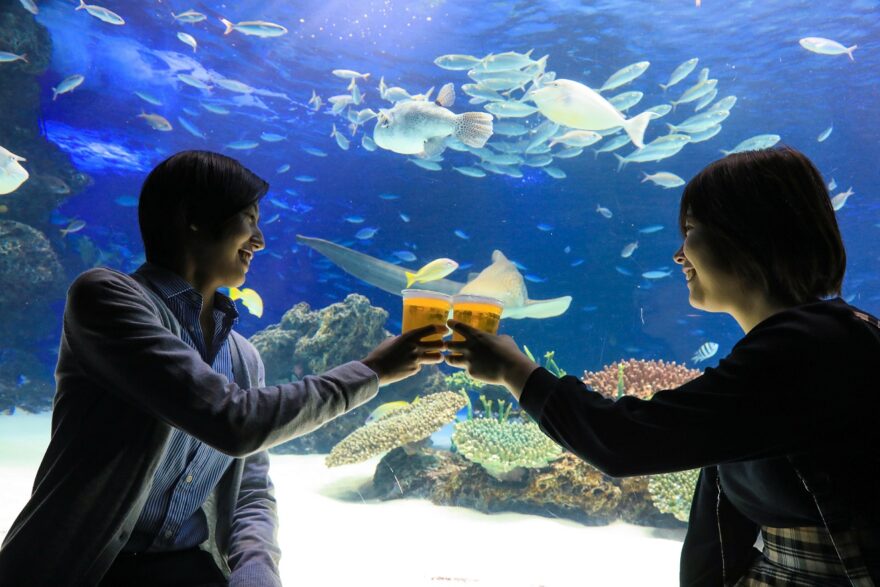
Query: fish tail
{"x":82,"y":4}
{"x":647,"y":176}
{"x":54,"y":94}
{"x":410,"y":278}
{"x":849,"y":51}
{"x":621,"y":162}
{"x":23,"y":57}
{"x":664,"y":86}
{"x":229,"y":25}
{"x":635,"y":127}
{"x":473,"y":128}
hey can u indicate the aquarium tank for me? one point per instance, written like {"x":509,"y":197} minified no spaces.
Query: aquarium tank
{"x":397,"y":133}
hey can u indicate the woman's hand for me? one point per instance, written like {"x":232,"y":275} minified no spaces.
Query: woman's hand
{"x":490,"y":358}
{"x":399,"y":357}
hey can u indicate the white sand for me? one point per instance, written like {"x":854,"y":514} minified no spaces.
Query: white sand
{"x":330,"y":536}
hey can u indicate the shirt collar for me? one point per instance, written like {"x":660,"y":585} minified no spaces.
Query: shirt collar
{"x":169,"y":284}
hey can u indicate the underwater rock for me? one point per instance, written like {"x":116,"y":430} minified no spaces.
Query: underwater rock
{"x":568,"y":488}
{"x":309,"y":342}
{"x":24,"y":382}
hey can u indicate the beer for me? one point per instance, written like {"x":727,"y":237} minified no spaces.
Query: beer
{"x":421,"y":308}
{"x":480,"y":312}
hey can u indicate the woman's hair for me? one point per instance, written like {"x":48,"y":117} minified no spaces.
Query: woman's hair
{"x":770,"y":223}
{"x":201,"y":188}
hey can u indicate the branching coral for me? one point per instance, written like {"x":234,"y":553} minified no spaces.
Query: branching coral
{"x":409,"y":424}
{"x":638,"y":378}
{"x":501,"y":447}
{"x":672,"y":492}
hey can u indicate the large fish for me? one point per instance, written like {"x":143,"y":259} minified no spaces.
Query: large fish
{"x":500,"y":280}
{"x":575,"y":105}
{"x":12,"y":174}
{"x":415,"y":127}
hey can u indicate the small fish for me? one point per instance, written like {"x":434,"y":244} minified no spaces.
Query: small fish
{"x":256,"y":28}
{"x":30,"y":6}
{"x":826,"y":47}
{"x":456,"y":62}
{"x":368,"y":143}
{"x":388,"y":196}
{"x":68,"y":84}
{"x":214,"y":108}
{"x":554,"y":172}
{"x":436,"y":269}
{"x":545,"y":227}
{"x":825,"y":134}
{"x":350,"y":74}
{"x":251,"y":300}
{"x":354,"y":219}
{"x":651,"y":229}
{"x":188,"y":39}
{"x":156,"y":121}
{"x":341,"y":139}
{"x":193,"y":82}
{"x":470,"y":171}
{"x":604,"y":211}
{"x":680,"y":72}
{"x":832,"y":185}
{"x":755,"y":143}
{"x":838,"y":201}
{"x":243,"y":145}
{"x":6,"y":57}
{"x":664,"y":179}
{"x":366,"y":233}
{"x":271,"y":137}
{"x":314,"y":151}
{"x":149,"y":98}
{"x":305,"y":178}
{"x":566,"y":250}
{"x":22,"y":380}
{"x":385,"y":409}
{"x":577,"y":262}
{"x":74,"y":226}
{"x":460,"y":234}
{"x":534,"y":278}
{"x":706,"y":351}
{"x":190,"y":16}
{"x":629,"y":249}
{"x":101,"y":13}
{"x":191,"y":128}
{"x":623,"y":271}
{"x":406,"y":256}
{"x":625,"y":75}
{"x":656,"y":274}
{"x":127,"y":201}
{"x":427,"y":165}
{"x":234,"y":86}
{"x":284,"y":168}
{"x":404,"y":217}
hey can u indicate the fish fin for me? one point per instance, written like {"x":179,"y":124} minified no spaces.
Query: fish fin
{"x":229,"y":25}
{"x":473,"y":128}
{"x":428,"y":94}
{"x":849,"y":51}
{"x":351,"y":85}
{"x":621,"y":162}
{"x":24,"y":57}
{"x":664,"y":86}
{"x":671,"y":128}
{"x":635,"y":128}
{"x":433,"y":146}
{"x":646,"y":177}
{"x":82,"y":4}
{"x":410,"y":278}
{"x":446,"y":96}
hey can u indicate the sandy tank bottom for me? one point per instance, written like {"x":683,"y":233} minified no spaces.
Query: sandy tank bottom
{"x":330,"y":536}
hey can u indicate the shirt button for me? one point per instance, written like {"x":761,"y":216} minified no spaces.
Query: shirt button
{"x":189,"y":478}
{"x":168,"y":534}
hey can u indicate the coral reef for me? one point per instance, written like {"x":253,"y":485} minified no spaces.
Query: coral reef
{"x":672,"y":492}
{"x":638,"y":378}
{"x":29,"y":268}
{"x":504,"y":448}
{"x":407,"y":425}
{"x":308,"y":342}
{"x":24,"y":382}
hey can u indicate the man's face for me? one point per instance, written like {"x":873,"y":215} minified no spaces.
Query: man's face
{"x":226,"y":259}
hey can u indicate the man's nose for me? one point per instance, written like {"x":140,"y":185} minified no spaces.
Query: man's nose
{"x":678,"y":256}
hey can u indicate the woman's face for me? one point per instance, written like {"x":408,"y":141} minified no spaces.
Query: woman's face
{"x":226,"y":260}
{"x":711,"y":289}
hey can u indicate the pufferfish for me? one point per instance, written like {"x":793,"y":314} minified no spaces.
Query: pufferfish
{"x":416,"y":127}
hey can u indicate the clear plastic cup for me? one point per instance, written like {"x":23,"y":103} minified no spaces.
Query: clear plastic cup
{"x":481,"y":312}
{"x":422,"y":307}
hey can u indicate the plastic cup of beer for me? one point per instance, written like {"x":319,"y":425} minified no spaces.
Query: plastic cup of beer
{"x":422,"y":307}
{"x":481,"y":312}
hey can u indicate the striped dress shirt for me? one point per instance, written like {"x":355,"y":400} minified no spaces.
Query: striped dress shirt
{"x":172,"y":518}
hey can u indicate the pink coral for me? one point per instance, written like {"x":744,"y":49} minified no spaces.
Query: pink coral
{"x":640,"y":378}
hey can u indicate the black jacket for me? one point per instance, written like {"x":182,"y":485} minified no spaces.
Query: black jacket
{"x":802,"y":382}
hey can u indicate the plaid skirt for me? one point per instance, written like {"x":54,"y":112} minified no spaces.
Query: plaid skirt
{"x":802,"y":557}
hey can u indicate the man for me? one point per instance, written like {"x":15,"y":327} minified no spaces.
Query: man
{"x":157,"y":470}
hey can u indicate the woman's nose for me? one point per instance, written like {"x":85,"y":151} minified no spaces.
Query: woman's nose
{"x":678,"y":256}
{"x":258,"y":241}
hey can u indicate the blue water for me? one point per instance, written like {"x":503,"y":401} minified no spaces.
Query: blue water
{"x":750,"y":47}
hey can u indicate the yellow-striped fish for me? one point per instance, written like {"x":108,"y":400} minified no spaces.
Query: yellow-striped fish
{"x":436,"y":269}
{"x":251,"y":300}
{"x":386,"y":409}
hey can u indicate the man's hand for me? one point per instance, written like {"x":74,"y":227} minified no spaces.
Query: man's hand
{"x":399,"y":357}
{"x":490,"y":358}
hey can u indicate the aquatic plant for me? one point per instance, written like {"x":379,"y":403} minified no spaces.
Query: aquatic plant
{"x":549,"y":362}
{"x":407,"y":425}
{"x":672,"y":493}
{"x":503,"y":447}
{"x":460,"y":382}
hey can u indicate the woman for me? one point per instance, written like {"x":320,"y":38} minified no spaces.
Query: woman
{"x":784,"y":428}
{"x":157,"y":471}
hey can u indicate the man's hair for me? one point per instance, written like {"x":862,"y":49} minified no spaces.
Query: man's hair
{"x":201,"y":188}
{"x":770,"y":222}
